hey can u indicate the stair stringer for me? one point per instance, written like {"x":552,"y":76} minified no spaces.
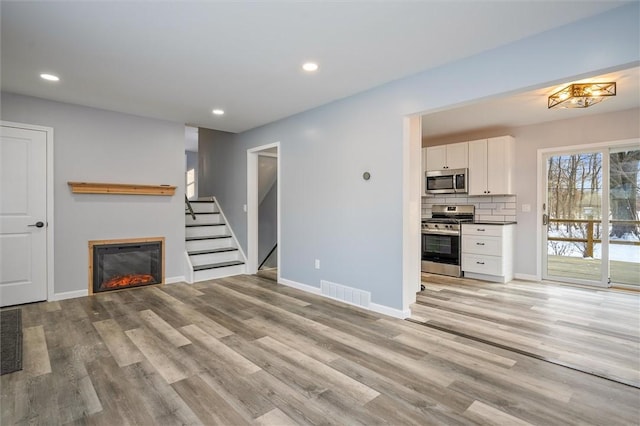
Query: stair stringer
{"x":192,"y":275}
{"x":233,"y":235}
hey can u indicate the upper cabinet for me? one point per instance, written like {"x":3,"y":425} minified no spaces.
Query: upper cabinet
{"x":452,"y":156}
{"x":491,"y":166}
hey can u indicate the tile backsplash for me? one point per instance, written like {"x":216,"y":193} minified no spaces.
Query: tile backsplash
{"x":492,"y":208}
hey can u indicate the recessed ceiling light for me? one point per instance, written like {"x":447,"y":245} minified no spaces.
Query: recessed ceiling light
{"x":218,"y":111}
{"x":49,"y":77}
{"x":310,"y":66}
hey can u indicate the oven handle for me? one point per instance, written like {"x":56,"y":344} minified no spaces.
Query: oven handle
{"x":452,"y":233}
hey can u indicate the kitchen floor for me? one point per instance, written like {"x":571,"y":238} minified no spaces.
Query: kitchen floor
{"x":592,"y":330}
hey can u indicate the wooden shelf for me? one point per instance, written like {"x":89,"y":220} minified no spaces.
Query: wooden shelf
{"x":120,"y":188}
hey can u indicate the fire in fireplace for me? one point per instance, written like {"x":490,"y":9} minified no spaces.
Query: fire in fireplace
{"x":119,"y":264}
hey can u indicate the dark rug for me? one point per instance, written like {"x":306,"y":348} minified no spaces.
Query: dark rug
{"x":10,"y":341}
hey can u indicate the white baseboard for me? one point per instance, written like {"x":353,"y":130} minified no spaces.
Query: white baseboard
{"x":300,"y":286}
{"x":381,"y":309}
{"x":173,"y":280}
{"x":392,"y":312}
{"x":69,"y":295}
{"x":526,"y":277}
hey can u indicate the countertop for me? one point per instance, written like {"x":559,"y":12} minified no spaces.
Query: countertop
{"x":491,"y":222}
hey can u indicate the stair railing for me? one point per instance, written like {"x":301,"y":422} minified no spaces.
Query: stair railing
{"x":268,"y":256}
{"x":189,"y":208}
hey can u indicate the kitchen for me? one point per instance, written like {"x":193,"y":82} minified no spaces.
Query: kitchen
{"x":473,"y":233}
{"x":484,"y":242}
{"x":521,"y":129}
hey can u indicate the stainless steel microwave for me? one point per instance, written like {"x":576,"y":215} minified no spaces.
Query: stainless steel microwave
{"x":449,"y":181}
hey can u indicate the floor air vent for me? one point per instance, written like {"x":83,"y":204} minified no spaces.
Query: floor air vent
{"x":346,"y":294}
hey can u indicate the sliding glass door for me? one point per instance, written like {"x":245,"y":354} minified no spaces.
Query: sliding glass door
{"x":624,"y":206}
{"x":591,"y":231}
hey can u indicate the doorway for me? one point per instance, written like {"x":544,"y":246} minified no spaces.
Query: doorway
{"x":191,"y":162}
{"x":263,"y":210}
{"x":591,"y":204}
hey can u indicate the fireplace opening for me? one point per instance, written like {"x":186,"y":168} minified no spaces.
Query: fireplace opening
{"x":118,"y":265}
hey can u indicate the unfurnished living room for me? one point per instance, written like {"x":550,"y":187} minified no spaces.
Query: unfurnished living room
{"x":291,"y":213}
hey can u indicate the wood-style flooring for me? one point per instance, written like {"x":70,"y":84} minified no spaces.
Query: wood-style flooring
{"x":245,"y":350}
{"x":594,"y":330}
{"x":270,"y":274}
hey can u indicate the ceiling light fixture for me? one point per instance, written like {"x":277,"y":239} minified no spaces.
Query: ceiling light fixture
{"x":581,"y":95}
{"x":218,"y":112}
{"x":310,"y":66}
{"x":49,"y":77}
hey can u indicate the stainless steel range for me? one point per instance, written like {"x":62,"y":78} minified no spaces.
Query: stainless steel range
{"x":441,"y":239}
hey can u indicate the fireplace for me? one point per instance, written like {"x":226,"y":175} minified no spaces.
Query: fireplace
{"x":120,"y":264}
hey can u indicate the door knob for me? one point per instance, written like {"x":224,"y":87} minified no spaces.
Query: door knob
{"x":37,"y":224}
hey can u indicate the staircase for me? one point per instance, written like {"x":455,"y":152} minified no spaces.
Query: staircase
{"x":211,"y":247}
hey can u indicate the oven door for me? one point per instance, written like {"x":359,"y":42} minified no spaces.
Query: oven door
{"x":441,"y":248}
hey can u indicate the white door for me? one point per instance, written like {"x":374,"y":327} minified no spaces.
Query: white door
{"x":458,"y":155}
{"x":437,"y":158}
{"x":499,"y":162}
{"x":478,"y":167}
{"x":23,"y":213}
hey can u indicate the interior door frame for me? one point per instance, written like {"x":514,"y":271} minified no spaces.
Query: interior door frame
{"x":543,"y":153}
{"x":253,"y":204}
{"x":49,"y":201}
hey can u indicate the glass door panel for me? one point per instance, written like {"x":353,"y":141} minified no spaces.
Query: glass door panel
{"x":574,"y":218}
{"x":624,"y":227}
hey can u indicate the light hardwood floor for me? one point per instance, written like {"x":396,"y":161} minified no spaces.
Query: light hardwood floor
{"x":594,"y":330}
{"x":270,"y":274}
{"x":245,"y":350}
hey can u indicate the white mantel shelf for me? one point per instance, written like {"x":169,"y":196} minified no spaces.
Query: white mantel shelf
{"x":120,"y":188}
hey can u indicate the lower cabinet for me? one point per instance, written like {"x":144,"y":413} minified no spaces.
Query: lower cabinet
{"x":487,"y":251}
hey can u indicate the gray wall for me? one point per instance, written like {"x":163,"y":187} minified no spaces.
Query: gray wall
{"x":192,"y":163}
{"x":212,"y":161}
{"x":94,"y":145}
{"x":268,"y":222}
{"x":355,"y":227}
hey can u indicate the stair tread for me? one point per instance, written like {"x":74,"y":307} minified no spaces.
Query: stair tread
{"x":209,"y":251}
{"x":195,"y":225}
{"x":208,"y":237}
{"x":199,"y":213}
{"x":217,"y":265}
{"x":202,"y":201}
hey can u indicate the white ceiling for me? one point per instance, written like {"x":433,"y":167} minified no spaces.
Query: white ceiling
{"x":178,"y":60}
{"x":530,"y":107}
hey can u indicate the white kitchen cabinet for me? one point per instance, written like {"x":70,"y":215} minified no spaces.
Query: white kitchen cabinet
{"x":452,"y":156}
{"x":487,"y":251}
{"x":491,"y":166}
